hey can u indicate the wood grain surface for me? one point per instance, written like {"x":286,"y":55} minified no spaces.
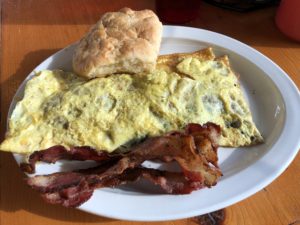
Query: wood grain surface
{"x":33,"y":30}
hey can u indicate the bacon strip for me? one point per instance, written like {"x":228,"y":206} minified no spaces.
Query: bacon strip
{"x":195,"y":150}
{"x":208,"y":131}
{"x":73,"y":193}
{"x":55,"y":153}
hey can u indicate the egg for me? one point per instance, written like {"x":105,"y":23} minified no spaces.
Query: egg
{"x":109,"y":113}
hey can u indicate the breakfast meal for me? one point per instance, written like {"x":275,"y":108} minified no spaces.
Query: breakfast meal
{"x":124,"y":105}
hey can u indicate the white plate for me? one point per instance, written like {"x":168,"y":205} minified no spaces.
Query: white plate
{"x":275,"y":103}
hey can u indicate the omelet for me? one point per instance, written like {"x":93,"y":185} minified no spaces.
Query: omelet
{"x":110,"y":113}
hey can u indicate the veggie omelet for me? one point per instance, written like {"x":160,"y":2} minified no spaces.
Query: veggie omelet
{"x":109,"y":113}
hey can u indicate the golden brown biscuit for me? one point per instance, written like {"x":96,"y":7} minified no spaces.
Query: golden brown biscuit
{"x":124,"y":41}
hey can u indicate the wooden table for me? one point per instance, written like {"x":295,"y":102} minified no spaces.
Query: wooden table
{"x":33,"y":30}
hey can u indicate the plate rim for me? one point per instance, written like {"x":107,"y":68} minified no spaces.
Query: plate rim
{"x":248,"y":53}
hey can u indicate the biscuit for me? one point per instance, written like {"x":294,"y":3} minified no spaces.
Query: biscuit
{"x":126,"y":41}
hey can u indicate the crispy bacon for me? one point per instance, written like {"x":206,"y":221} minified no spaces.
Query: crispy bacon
{"x":195,"y":150}
{"x":61,"y":189}
{"x":207,"y":131}
{"x":55,"y":153}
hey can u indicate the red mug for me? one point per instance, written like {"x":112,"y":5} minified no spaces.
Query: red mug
{"x":288,"y":18}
